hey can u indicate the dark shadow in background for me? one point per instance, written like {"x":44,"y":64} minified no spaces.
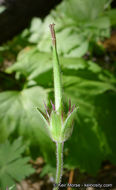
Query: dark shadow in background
{"x":18,"y":14}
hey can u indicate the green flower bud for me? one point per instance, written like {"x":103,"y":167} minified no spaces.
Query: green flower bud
{"x":59,"y":126}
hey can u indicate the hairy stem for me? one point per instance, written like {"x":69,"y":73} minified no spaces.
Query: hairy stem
{"x":59,"y":149}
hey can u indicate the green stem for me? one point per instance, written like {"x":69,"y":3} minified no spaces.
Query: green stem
{"x":59,"y":149}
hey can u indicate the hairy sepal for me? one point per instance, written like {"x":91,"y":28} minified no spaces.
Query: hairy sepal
{"x":68,"y":125}
{"x":43,"y":118}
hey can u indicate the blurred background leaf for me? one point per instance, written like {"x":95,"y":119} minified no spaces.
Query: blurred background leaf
{"x":13,"y":167}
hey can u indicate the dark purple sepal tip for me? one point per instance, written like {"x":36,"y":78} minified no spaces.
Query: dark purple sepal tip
{"x":53,"y":106}
{"x":73,"y":108}
{"x":46,"y":109}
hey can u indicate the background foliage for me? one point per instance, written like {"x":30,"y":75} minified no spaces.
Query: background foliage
{"x":13,"y":167}
{"x":28,"y":83}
